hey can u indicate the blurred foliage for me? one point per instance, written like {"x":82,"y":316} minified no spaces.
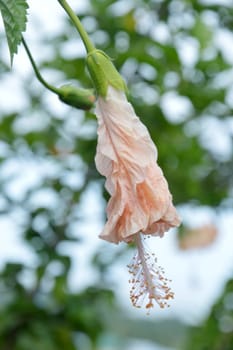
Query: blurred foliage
{"x":166,"y":51}
{"x":217,"y":331}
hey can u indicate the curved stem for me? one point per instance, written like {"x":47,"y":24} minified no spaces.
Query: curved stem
{"x":37,"y":73}
{"x":78,"y":25}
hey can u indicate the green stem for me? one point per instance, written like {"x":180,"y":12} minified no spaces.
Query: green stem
{"x":85,"y":38}
{"x":37,"y":73}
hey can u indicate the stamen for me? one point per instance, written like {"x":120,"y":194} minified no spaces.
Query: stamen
{"x":148,"y":281}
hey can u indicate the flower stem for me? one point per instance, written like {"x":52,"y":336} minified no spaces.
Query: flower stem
{"x":37,"y":73}
{"x":78,"y":25}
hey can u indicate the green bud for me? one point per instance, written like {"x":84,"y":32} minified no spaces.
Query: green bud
{"x":77,"y":97}
{"x":103,"y":72}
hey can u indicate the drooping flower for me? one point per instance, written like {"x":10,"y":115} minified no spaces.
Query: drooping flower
{"x":140,"y":202}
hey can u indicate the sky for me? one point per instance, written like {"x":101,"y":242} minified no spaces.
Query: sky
{"x":198,"y":276}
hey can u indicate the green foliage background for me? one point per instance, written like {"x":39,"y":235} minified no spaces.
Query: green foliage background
{"x":46,"y":314}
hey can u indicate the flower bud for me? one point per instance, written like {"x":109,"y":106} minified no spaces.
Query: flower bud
{"x":77,"y":97}
{"x":103,"y":72}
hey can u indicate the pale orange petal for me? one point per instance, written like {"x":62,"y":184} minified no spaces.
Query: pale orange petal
{"x":140,"y":199}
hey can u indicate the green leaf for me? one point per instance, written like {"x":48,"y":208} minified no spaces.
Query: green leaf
{"x":14,"y":14}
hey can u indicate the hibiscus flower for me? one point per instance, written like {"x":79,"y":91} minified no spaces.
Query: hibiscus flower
{"x":140,"y":202}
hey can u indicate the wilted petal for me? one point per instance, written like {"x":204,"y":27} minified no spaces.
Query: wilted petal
{"x":140,"y":199}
